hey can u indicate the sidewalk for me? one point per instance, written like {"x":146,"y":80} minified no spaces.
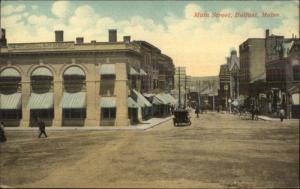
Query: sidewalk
{"x":142,"y":126}
{"x":266,"y":118}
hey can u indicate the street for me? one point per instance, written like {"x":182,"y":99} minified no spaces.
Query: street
{"x":216,"y":151}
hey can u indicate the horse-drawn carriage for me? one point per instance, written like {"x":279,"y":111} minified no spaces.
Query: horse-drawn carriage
{"x":181,"y":117}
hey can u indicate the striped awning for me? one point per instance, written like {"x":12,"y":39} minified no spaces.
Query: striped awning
{"x":142,"y":72}
{"x":74,"y":70}
{"x":141,"y":100}
{"x":108,"y":102}
{"x":41,"y":71}
{"x":40,"y":101}
{"x":9,"y":72}
{"x":10,"y":101}
{"x":163,"y":98}
{"x":133,"y":71}
{"x":107,"y":69}
{"x":160,"y":99}
{"x":73,"y":100}
{"x":132,"y":103}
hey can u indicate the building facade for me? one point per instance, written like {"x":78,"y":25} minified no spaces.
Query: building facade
{"x":69,"y":83}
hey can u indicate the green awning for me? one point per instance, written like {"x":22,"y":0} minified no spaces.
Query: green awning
{"x":160,"y":99}
{"x":108,"y":102}
{"x":9,"y":72}
{"x":10,"y":101}
{"x":133,"y":71}
{"x":172,"y":100}
{"x":41,"y":71}
{"x":107,"y":69}
{"x":73,"y":100}
{"x":40,"y":101}
{"x":142,"y":72}
{"x":132,"y":103}
{"x":141,"y":100}
{"x":74,"y":70}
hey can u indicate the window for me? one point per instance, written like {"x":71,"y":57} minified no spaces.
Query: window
{"x":107,"y":85}
{"x":296,"y":73}
{"x":10,"y":114}
{"x":74,"y":83}
{"x":108,"y":113}
{"x":42,"y":113}
{"x":79,"y":113}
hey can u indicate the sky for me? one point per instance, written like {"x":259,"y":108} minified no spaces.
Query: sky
{"x":201,"y":44}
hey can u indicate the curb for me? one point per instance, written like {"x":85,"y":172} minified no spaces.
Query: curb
{"x":99,"y":128}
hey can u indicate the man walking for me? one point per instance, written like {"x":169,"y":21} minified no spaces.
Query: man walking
{"x":42,"y":128}
{"x":281,"y":114}
{"x":197,"y":111}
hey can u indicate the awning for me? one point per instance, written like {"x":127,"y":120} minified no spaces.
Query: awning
{"x":108,"y":102}
{"x":107,"y":69}
{"x":295,"y":99}
{"x":142,"y":72}
{"x":132,"y":103}
{"x":160,"y":99}
{"x":164,"y":98}
{"x":41,"y":71}
{"x":10,"y":101}
{"x":73,"y":100}
{"x":9,"y":72}
{"x":74,"y":70}
{"x":141,"y":100}
{"x":133,"y":71}
{"x":40,"y":101}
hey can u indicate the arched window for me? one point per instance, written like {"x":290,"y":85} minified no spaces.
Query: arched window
{"x":10,"y":96}
{"x":41,"y":97}
{"x":73,"y":102}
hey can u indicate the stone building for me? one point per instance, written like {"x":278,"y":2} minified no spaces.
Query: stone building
{"x":282,"y":75}
{"x":252,"y":63}
{"x":79,"y":83}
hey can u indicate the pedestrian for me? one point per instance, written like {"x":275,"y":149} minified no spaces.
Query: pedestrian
{"x":281,"y":114}
{"x":42,"y":128}
{"x":252,"y":112}
{"x":197,"y":111}
{"x":256,"y":113}
{"x":2,"y":132}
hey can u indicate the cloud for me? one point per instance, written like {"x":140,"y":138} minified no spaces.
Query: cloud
{"x":61,"y":9}
{"x":199,"y":44}
{"x":10,"y":9}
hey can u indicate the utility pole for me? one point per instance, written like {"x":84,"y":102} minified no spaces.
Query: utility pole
{"x":179,"y":98}
{"x":185,"y":92}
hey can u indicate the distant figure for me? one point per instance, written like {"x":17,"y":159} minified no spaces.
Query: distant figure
{"x":252,"y":112}
{"x":281,"y":114}
{"x":197,"y":111}
{"x":256,"y":113}
{"x":2,"y":132}
{"x":42,"y":128}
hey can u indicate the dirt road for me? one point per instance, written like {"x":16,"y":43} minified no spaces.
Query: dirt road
{"x":218,"y":150}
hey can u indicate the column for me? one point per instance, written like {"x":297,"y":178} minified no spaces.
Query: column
{"x":57,"y":96}
{"x":91,"y":104}
{"x":25,"y":98}
{"x":121,"y":95}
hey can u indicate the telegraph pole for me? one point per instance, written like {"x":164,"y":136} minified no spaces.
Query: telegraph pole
{"x":179,"y":98}
{"x":185,"y":92}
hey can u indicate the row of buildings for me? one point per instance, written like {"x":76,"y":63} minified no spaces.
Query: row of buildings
{"x":266,"y":74}
{"x":78,"y":83}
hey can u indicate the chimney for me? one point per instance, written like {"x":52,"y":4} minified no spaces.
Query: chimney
{"x":79,"y":40}
{"x":3,"y":41}
{"x":126,"y":39}
{"x":267,"y":33}
{"x":59,"y":36}
{"x":112,"y":35}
